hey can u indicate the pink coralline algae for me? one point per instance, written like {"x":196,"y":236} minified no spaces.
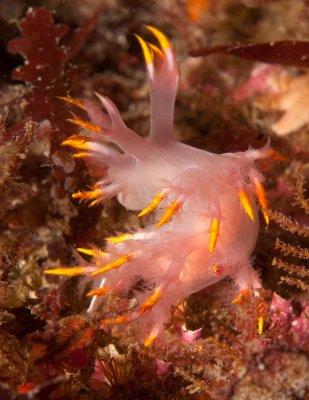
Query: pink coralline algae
{"x":284,"y":316}
{"x":204,"y":205}
{"x":189,"y":336}
{"x":282,"y":311}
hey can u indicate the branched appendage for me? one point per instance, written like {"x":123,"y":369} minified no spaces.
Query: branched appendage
{"x":295,"y":282}
{"x":299,"y":270}
{"x":288,"y":224}
{"x":298,"y":275}
{"x":289,"y":250}
{"x":300,"y":194}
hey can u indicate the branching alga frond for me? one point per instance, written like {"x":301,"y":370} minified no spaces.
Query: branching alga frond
{"x":298,"y":275}
{"x":300,"y":198}
{"x":288,"y":224}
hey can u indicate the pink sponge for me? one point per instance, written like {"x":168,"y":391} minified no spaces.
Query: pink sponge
{"x":204,"y":204}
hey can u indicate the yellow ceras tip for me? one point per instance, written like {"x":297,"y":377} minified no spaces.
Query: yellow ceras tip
{"x":81,"y":155}
{"x":245,"y":202}
{"x":172,"y":209}
{"x":150,"y":340}
{"x":98,"y":292}
{"x":266,"y":217}
{"x":146,"y":50}
{"x":214,"y":233}
{"x":153,"y":205}
{"x":91,"y":252}
{"x":261,"y":309}
{"x":77,"y":103}
{"x":155,"y":49}
{"x":162,"y":39}
{"x":114,"y":264}
{"x":152,"y":300}
{"x":275,"y":155}
{"x":86,"y":125}
{"x":94,"y":203}
{"x":75,"y":271}
{"x":262,"y":199}
{"x":117,"y":321}
{"x":244,"y":294}
{"x":119,"y":239}
{"x":260,"y":325}
{"x":90,"y":195}
{"x":80,"y":144}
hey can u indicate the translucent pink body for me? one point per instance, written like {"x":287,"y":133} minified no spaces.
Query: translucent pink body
{"x":176,"y":258}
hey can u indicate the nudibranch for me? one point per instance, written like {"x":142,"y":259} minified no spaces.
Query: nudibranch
{"x":204,"y":205}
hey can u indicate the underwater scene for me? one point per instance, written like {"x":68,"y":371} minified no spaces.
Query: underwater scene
{"x":154,"y":170}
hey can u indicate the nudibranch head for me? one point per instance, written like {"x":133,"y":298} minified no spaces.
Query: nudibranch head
{"x":204,"y":205}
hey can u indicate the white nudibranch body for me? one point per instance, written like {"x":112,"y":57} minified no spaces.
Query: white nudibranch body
{"x":205,"y":204}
